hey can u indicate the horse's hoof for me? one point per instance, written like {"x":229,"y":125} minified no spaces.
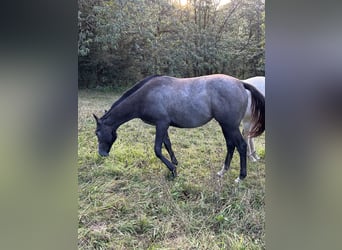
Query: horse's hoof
{"x":174,"y":173}
{"x":252,"y":159}
{"x":256,"y":157}
{"x":237,"y":180}
{"x":220,"y":174}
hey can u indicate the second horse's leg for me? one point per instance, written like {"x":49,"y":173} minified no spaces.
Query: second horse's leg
{"x":252,"y":149}
{"x":249,"y":140}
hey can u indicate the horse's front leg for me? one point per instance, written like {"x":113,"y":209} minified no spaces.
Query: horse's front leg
{"x":168,"y":147}
{"x":161,"y":131}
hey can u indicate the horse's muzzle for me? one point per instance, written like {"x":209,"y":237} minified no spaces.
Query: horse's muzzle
{"x":103,"y":153}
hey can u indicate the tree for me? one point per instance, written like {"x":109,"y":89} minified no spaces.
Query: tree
{"x":122,"y":41}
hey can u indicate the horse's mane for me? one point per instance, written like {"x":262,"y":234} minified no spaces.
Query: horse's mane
{"x":129,"y":92}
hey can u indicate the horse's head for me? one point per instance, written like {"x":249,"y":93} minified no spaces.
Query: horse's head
{"x":106,"y":136}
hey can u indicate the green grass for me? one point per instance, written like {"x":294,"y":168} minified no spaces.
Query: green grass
{"x":129,"y":201}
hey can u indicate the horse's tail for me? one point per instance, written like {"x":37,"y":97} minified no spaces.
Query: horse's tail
{"x":258,"y":111}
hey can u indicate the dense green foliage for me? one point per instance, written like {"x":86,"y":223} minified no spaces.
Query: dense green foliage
{"x":122,"y":41}
{"x":128,"y":200}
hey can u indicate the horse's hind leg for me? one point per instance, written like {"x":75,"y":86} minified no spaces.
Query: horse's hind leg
{"x":252,"y":149}
{"x":241,"y":146}
{"x":229,"y":156}
{"x":234,"y":139}
{"x":230,"y":149}
{"x":168,"y":147}
{"x":161,"y":131}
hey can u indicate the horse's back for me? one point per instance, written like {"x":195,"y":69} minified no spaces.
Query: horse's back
{"x":191,"y":102}
{"x":204,"y":89}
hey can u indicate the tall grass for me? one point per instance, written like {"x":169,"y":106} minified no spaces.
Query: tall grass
{"x":129,"y":201}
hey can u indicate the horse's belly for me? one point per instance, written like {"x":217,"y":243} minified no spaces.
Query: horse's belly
{"x":189,"y":120}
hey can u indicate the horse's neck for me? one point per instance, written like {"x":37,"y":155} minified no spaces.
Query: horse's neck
{"x":123,"y":112}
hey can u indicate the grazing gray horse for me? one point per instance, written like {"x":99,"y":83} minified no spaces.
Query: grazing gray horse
{"x":259,"y":83}
{"x":165,"y":101}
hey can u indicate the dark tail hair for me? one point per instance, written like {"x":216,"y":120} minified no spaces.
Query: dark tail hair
{"x":258,"y":111}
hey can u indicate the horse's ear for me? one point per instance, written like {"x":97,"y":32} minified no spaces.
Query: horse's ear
{"x":96,"y":117}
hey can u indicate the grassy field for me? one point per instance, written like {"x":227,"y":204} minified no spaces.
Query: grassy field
{"x":129,"y":201}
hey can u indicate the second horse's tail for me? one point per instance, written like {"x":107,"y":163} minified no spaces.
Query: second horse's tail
{"x":258,"y":111}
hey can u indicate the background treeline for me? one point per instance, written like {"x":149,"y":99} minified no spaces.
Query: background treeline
{"x":123,"y":41}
